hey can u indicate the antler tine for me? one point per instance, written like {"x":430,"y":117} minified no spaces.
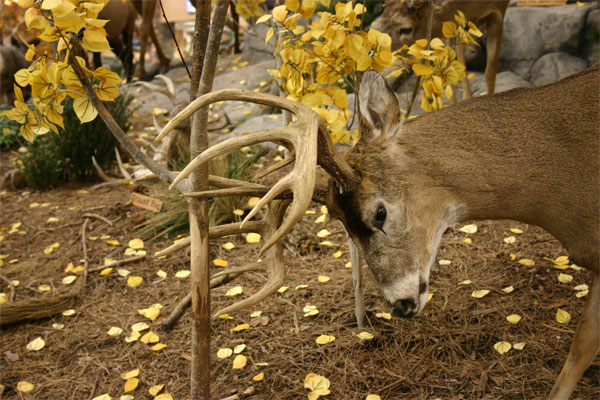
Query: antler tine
{"x":169,"y":82}
{"x":160,"y":89}
{"x":228,"y":145}
{"x":273,"y":261}
{"x":226,"y":95}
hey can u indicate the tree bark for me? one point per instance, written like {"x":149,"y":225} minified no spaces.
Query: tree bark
{"x":198,"y":211}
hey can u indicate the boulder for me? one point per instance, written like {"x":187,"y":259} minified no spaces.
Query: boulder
{"x":591,"y":47}
{"x":530,"y":32}
{"x":554,"y":66}
{"x":254,"y":49}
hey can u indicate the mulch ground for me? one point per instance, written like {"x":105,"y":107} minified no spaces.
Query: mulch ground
{"x":446,"y":352}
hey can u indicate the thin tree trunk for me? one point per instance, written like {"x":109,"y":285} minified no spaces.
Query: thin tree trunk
{"x":198,"y":214}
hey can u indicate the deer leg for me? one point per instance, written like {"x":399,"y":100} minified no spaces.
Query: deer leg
{"x":359,"y":298}
{"x":494,"y":25}
{"x":148,"y":8}
{"x":585,"y":346}
{"x":460,"y":54}
{"x":162,"y":57}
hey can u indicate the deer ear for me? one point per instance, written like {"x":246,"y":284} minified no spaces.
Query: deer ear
{"x":378,"y":107}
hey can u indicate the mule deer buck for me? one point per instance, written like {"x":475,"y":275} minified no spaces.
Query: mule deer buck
{"x":406,"y":22}
{"x":529,"y":154}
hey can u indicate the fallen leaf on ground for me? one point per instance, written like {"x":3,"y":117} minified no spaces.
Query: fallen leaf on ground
{"x":472,"y":228}
{"x":478,"y":294}
{"x":224,"y":353}
{"x":562,"y":316}
{"x":131,"y":385}
{"x":134,"y":281}
{"x":502,"y":347}
{"x":513,"y":318}
{"x":324,"y":339}
{"x":36,"y":344}
{"x":239,"y":361}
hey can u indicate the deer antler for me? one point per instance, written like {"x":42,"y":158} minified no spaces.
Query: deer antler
{"x":305,"y":136}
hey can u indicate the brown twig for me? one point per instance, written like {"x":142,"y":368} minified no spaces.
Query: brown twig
{"x":100,"y":217}
{"x":240,"y":396}
{"x":117,"y":263}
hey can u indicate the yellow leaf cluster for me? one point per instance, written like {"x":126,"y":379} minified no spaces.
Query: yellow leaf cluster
{"x":318,"y":59}
{"x":53,"y":79}
{"x":317,"y":384}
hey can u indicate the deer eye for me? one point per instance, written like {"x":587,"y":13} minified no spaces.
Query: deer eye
{"x":380,"y":216}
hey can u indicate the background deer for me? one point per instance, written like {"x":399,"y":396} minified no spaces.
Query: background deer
{"x":406,"y":22}
{"x":518,"y":155}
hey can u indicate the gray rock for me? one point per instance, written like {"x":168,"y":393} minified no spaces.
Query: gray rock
{"x":554,"y":66}
{"x":254,"y":49}
{"x":248,"y":78}
{"x":530,"y":32}
{"x":505,"y":80}
{"x":257,"y":123}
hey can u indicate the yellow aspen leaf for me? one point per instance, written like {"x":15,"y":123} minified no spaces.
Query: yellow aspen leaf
{"x":561,"y":260}
{"x":316,"y":382}
{"x":444,"y":262}
{"x":241,"y":327}
{"x":106,"y":271}
{"x":252,"y":237}
{"x":507,"y":289}
{"x":565,"y":278}
{"x":581,"y":293}
{"x":104,"y":396}
{"x":224,"y":353}
{"x":581,"y":287}
{"x":324,"y":339}
{"x":323,"y":233}
{"x":471,"y":228}
{"x":126,"y":397}
{"x":465,"y":282}
{"x":156,"y":389}
{"x":139,"y":327}
{"x":184,"y":273}
{"x":384,"y":315}
{"x":48,"y":250}
{"x":235,"y":291}
{"x":264,"y":18}
{"x":225,"y":316}
{"x":44,"y":288}
{"x":149,"y":337}
{"x":282,"y":289}
{"x":502,"y":347}
{"x":239,"y":361}
{"x":114,"y":331}
{"x":348,"y":265}
{"x":3,"y":298}
{"x":255,"y":314}
{"x":258,"y":377}
{"x":527,"y":262}
{"x":132,"y":337}
{"x":323,"y":278}
{"x":512,"y":256}
{"x":307,"y":8}
{"x":516,"y":231}
{"x":238,"y":212}
{"x":94,"y":39}
{"x":252,"y":201}
{"x":279,"y":13}
{"x":239,"y":348}
{"x":510,"y":239}
{"x":130,"y":385}
{"x":151,"y":312}
{"x":67,"y":280}
{"x":449,"y":29}
{"x":575,"y":267}
{"x":429,"y":297}
{"x":68,"y":313}
{"x":84,"y":109}
{"x":300,"y":287}
{"x":24,"y":386}
{"x":164,"y":396}
{"x":134,"y":373}
{"x":228,"y":246}
{"x":112,"y":242}
{"x":326,"y":243}
{"x":422,"y":69}
{"x":136,"y":244}
{"x":518,"y":346}
{"x":562,"y":316}
{"x":324,"y":210}
{"x":78,"y":269}
{"x":513,"y":318}
{"x":220,"y":263}
{"x":57,"y":326}
{"x":134,"y":281}
{"x":561,"y":266}
{"x":337,"y":254}
{"x":36,"y":344}
{"x":373,"y":397}
{"x":158,"y":347}
{"x":478,"y":294}
{"x":365,"y":336}
{"x":321,"y":219}
{"x":161,"y":274}
{"x":467,"y":240}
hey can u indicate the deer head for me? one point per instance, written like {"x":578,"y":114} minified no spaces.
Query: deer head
{"x":405,"y":21}
{"x":394,"y":217}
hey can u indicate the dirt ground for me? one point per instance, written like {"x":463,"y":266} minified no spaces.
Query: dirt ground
{"x":446,"y":352}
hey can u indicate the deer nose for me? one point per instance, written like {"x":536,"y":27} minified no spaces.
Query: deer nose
{"x":405,"y":308}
